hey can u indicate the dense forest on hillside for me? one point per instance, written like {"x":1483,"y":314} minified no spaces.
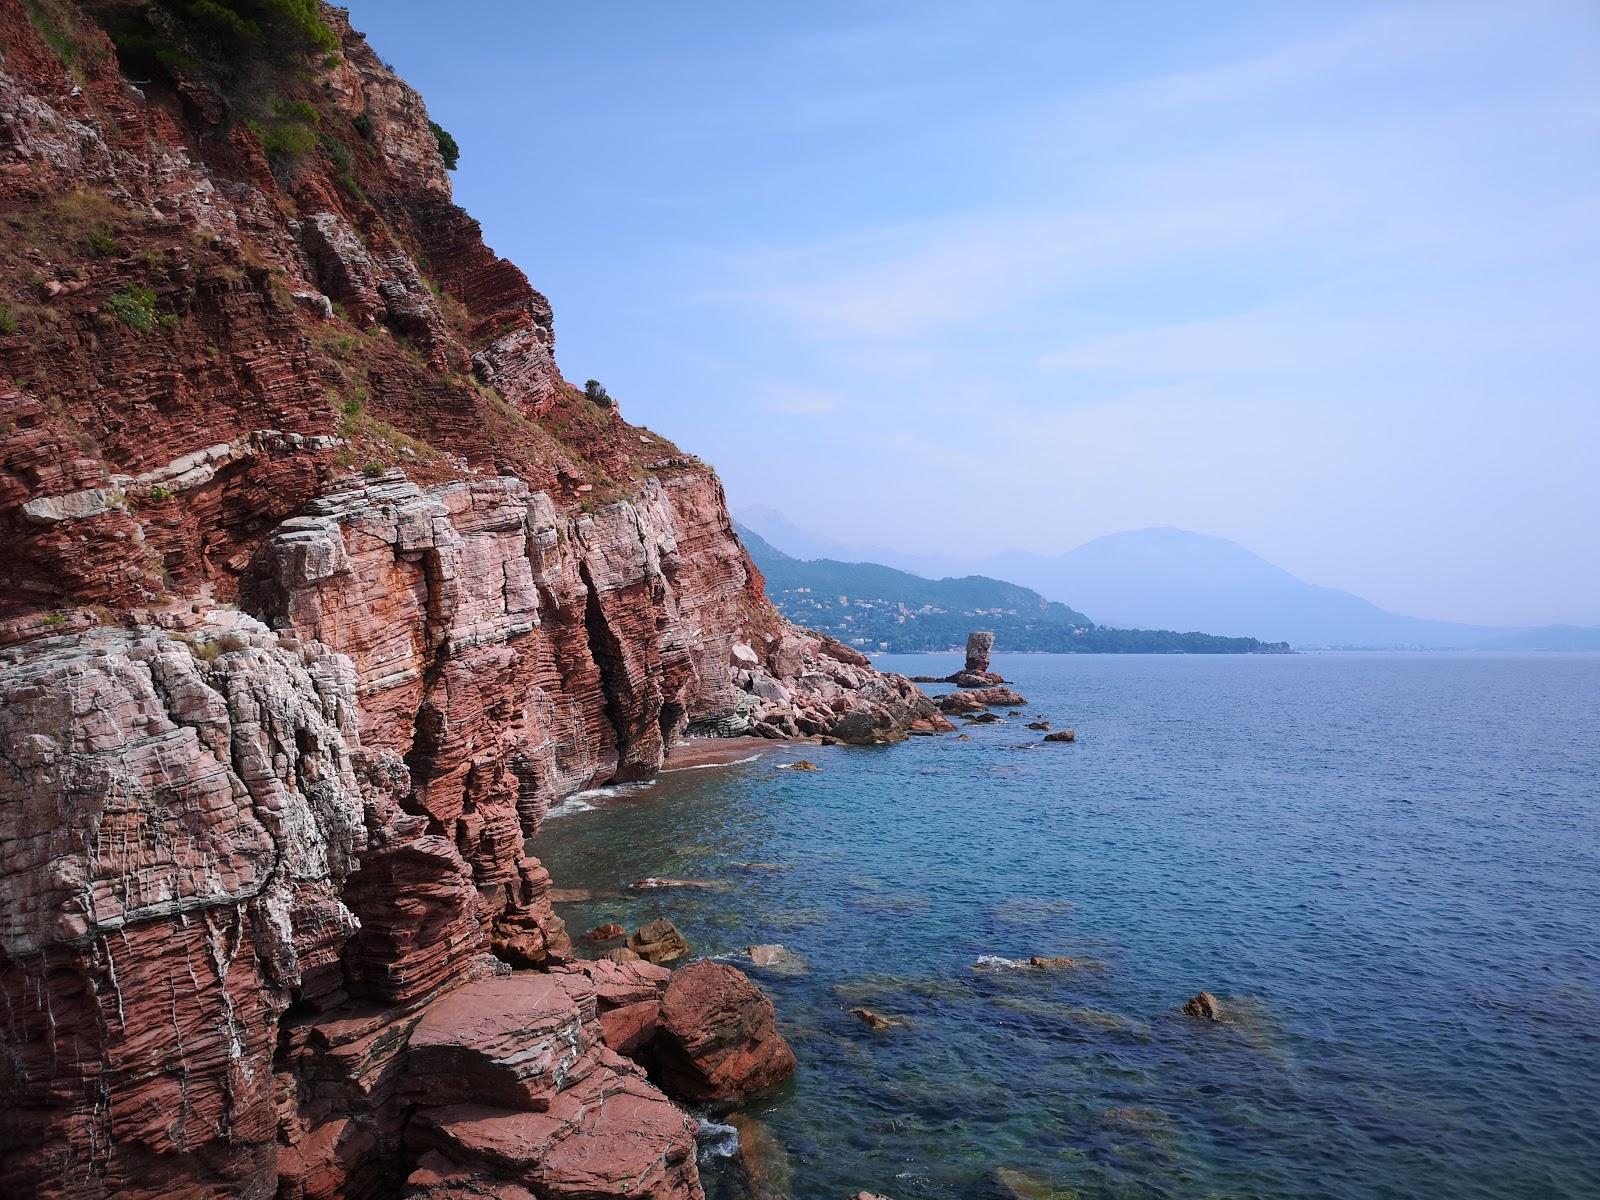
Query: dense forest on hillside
{"x":879,"y":608}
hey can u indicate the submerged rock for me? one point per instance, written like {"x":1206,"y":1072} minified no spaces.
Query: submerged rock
{"x":654,"y":884}
{"x":879,"y":1021}
{"x":983,"y":718}
{"x":1018,"y":1185}
{"x":1035,"y":962}
{"x":719,"y":1036}
{"x":1056,"y":962}
{"x":1062,"y":735}
{"x":1204,"y":1006}
{"x":605,"y":933}
{"x":803,"y":764}
{"x":763,"y":1159}
{"x":1040,"y":725}
{"x":658,"y":941}
{"x":776,"y":958}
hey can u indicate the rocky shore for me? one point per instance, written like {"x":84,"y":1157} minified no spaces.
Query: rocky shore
{"x":322,"y":585}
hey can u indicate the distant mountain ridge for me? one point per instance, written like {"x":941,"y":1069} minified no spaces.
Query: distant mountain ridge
{"x":1171,"y":578}
{"x":880,"y":608}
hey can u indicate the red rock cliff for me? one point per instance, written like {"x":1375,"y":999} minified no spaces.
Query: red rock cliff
{"x":320,"y":584}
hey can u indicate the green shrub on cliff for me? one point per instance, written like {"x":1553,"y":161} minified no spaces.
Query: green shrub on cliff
{"x":239,"y":46}
{"x":135,"y":306}
{"x":448,"y":150}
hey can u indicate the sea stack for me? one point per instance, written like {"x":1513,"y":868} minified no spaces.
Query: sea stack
{"x":979,"y":644}
{"x":976,"y":673}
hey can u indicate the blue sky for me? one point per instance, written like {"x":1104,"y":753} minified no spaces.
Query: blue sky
{"x":1320,"y":277}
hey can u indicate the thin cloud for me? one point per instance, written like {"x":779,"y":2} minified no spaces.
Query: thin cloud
{"x":793,"y":401}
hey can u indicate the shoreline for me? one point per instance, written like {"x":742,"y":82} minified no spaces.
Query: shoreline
{"x":694,"y":753}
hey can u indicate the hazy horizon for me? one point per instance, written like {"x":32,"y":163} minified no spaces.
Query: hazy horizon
{"x":1316,"y":279}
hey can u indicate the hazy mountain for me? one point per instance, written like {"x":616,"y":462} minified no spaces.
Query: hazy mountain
{"x":1174,"y":579}
{"x":1172,"y":576}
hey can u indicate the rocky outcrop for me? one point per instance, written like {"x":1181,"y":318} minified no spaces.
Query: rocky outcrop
{"x":979,"y":646}
{"x":970,"y":700}
{"x":658,"y":941}
{"x":719,"y":1038}
{"x":179,"y":816}
{"x":975,"y":672}
{"x":321,"y":585}
{"x":515,"y":1087}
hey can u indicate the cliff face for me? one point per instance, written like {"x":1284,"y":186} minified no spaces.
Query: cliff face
{"x":320,"y":585}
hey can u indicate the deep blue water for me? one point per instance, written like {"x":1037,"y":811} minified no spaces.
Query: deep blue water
{"x":1387,"y":867}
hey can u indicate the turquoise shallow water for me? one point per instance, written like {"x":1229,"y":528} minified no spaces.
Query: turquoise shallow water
{"x":1385,"y":866}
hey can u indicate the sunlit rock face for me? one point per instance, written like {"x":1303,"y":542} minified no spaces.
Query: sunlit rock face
{"x":321,"y":584}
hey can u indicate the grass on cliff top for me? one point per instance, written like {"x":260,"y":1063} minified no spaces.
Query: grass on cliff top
{"x":64,"y":226}
{"x":372,"y":439}
{"x":57,"y":25}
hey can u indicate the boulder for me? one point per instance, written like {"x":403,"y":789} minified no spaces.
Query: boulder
{"x":512,"y":1041}
{"x":605,"y":933}
{"x":618,"y":982}
{"x":803,"y":764}
{"x":1204,"y":1006}
{"x":1041,"y":725}
{"x":998,"y":697}
{"x":861,"y":728}
{"x":658,"y":942}
{"x":959,"y":702}
{"x":975,"y":679}
{"x":631,"y":1029}
{"x":1062,"y":735}
{"x":611,"y":1136}
{"x":719,"y":1036}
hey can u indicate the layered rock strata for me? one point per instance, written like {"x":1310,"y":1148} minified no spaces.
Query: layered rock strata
{"x":321,"y":584}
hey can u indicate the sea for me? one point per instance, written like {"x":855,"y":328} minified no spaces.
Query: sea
{"x":1386,"y":867}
